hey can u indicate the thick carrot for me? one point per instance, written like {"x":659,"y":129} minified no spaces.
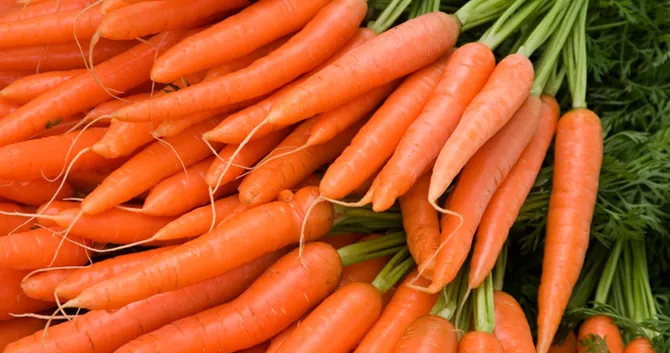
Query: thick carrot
{"x":119,"y":73}
{"x":511,"y":326}
{"x":12,"y":298}
{"x":502,"y":95}
{"x":39,"y":248}
{"x":15,"y":329}
{"x":194,"y":53}
{"x":165,"y":15}
{"x":42,"y":286}
{"x":569,"y":345}
{"x":7,"y":107}
{"x":197,"y":222}
{"x":286,"y":172}
{"x":105,"y":331}
{"x":428,"y":334}
{"x":144,"y":170}
{"x":338,"y":323}
{"x":274,"y":225}
{"x":421,"y":224}
{"x":59,"y":56}
{"x":578,"y":156}
{"x":9,"y":77}
{"x":506,"y":202}
{"x":406,"y":306}
{"x":467,"y":71}
{"x":34,"y":192}
{"x":43,"y":8}
{"x":476,"y":341}
{"x":55,"y":28}
{"x":476,"y":186}
{"x":15,"y":224}
{"x":597,"y":330}
{"x":638,"y":345}
{"x":386,"y":57}
{"x":30,"y":87}
{"x":237,"y":325}
{"x":327,"y":32}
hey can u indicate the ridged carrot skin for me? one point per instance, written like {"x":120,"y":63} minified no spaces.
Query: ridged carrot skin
{"x":604,"y":328}
{"x":35,"y":249}
{"x":30,"y":87}
{"x":511,"y":326}
{"x":429,"y":334}
{"x":12,"y":298}
{"x":42,"y":286}
{"x":14,"y":329}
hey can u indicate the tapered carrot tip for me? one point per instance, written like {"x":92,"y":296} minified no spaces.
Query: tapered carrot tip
{"x":74,"y":303}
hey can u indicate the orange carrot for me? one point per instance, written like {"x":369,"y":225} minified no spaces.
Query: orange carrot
{"x":109,"y":107}
{"x":383,"y":59}
{"x":108,"y":6}
{"x":13,"y":223}
{"x":15,"y":329}
{"x":237,"y":325}
{"x":429,"y":333}
{"x":569,"y":345}
{"x":43,"y":8}
{"x":406,"y":306}
{"x":7,"y":107}
{"x":330,"y":29}
{"x":197,"y":222}
{"x":148,"y":167}
{"x":28,"y":88}
{"x":122,"y":139}
{"x":511,"y":326}
{"x":638,"y":345}
{"x":597,"y":329}
{"x":503,"y":94}
{"x":52,"y":209}
{"x":578,"y":156}
{"x":39,"y":248}
{"x":12,"y":298}
{"x":42,"y":286}
{"x":34,"y":192}
{"x":506,"y":202}
{"x":476,"y":341}
{"x":193,"y":54}
{"x":476,"y":186}
{"x":274,"y":225}
{"x":244,"y":61}
{"x":278,"y":341}
{"x":9,"y":77}
{"x":105,"y":331}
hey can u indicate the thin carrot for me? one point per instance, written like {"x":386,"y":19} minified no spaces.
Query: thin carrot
{"x":476,"y":341}
{"x":476,"y":186}
{"x":599,"y":331}
{"x":273,"y":225}
{"x":9,"y":77}
{"x":7,"y":107}
{"x":569,"y":345}
{"x":638,"y":345}
{"x":511,"y":326}
{"x":12,"y":298}
{"x":28,"y":88}
{"x":406,"y":306}
{"x":9,"y":223}
{"x":197,"y":222}
{"x":144,"y":170}
{"x":506,"y":202}
{"x":105,"y":331}
{"x":233,"y":326}
{"x":15,"y":329}
{"x":429,"y":333}
{"x":42,"y":286}
{"x":503,"y":94}
{"x":246,"y":60}
{"x":109,"y":107}
{"x":43,"y":8}
{"x":193,"y":54}
{"x":39,"y":248}
{"x":578,"y":156}
{"x":34,"y":192}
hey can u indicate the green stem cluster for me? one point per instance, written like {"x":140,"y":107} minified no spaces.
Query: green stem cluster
{"x":371,"y":249}
{"x":484,"y":310}
{"x":364,"y":220}
{"x":575,"y":57}
{"x":422,"y":7}
{"x":389,"y":16}
{"x":478,"y":12}
{"x":399,"y":265}
{"x":453,"y":303}
{"x":518,"y":13}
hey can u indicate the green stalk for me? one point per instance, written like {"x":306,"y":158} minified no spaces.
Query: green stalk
{"x":588,"y":279}
{"x":546,"y":27}
{"x":575,"y":56}
{"x":448,"y":302}
{"x":510,"y":21}
{"x":388,"y":17}
{"x":370,"y":249}
{"x":394,"y":270}
{"x":555,"y":80}
{"x":499,"y":269}
{"x":644,"y":297}
{"x":605,"y":283}
{"x":484,"y":310}
{"x":474,"y":12}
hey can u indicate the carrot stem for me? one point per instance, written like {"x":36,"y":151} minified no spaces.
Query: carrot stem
{"x":574,"y":55}
{"x":547,"y":26}
{"x":477,"y":12}
{"x":484,"y":310}
{"x":605,"y":283}
{"x":555,"y":80}
{"x":499,"y":269}
{"x":390,"y":14}
{"x":373,"y":248}
{"x":510,"y":21}
{"x":394,"y":270}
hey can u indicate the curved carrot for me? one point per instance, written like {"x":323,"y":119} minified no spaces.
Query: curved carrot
{"x":28,"y":88}
{"x":33,"y":192}
{"x":506,"y":202}
{"x":502,"y":95}
{"x":194,"y":53}
{"x":326,"y":33}
{"x":638,"y":345}
{"x":122,"y":139}
{"x":569,"y":345}
{"x":577,"y":160}
{"x":467,"y":71}
{"x":476,"y":342}
{"x":42,"y":286}
{"x":428,"y":334}
{"x":272,"y":225}
{"x":43,"y":8}
{"x":511,"y":326}
{"x":39,"y":248}
{"x":12,"y":298}
{"x":406,"y":306}
{"x":15,"y":329}
{"x":103,"y":331}
{"x":338,"y":322}
{"x":236,"y":325}
{"x":382,"y":59}
{"x":197,"y":222}
{"x":477,"y":185}
{"x":597,"y":333}
{"x":14,"y":224}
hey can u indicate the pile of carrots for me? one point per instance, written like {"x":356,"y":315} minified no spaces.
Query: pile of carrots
{"x":269,"y":176}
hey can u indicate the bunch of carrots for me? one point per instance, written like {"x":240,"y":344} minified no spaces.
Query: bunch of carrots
{"x":283,"y":176}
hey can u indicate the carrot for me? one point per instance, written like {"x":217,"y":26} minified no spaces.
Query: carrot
{"x":28,"y":88}
{"x":330,"y":29}
{"x":475,"y":188}
{"x":259,"y":348}
{"x":275,"y":225}
{"x":122,"y":139}
{"x":237,"y":325}
{"x":502,"y":95}
{"x":183,"y":191}
{"x":144,"y":170}
{"x":122,"y":72}
{"x":506,"y":202}
{"x":39,"y":248}
{"x":429,"y":333}
{"x":105,"y":331}
{"x":54,"y":208}
{"x":43,"y":285}
{"x":569,"y":345}
{"x":193,"y":54}
{"x":577,"y":160}
{"x":7,"y":107}
{"x":406,"y":306}
{"x":59,"y":56}
{"x":166,"y":15}
{"x":43,"y":8}
{"x":12,"y":298}
{"x":365,"y":271}
{"x":597,"y":330}
{"x":638,"y":345}
{"x":476,"y":341}
{"x":278,"y":341}
{"x":55,"y":28}
{"x":9,"y":77}
{"x":197,"y":222}
{"x":9,"y":223}
{"x":511,"y":326}
{"x":108,"y":6}
{"x":34,"y":192}
{"x":421,"y":224}
{"x":109,"y":107}
{"x":15,"y":329}
{"x":384,"y":58}
{"x":246,"y":60}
